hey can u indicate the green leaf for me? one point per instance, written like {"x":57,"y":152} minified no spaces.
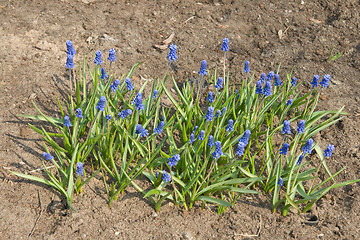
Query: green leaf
{"x":213,"y":200}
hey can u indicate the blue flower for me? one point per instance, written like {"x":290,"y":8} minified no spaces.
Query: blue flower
{"x":203,"y":68}
{"x":315,"y":81}
{"x":277,"y":80}
{"x":129,"y":85}
{"x":210,"y":114}
{"x":301,"y":126}
{"x":247,"y":67}
{"x":98,"y":58}
{"x":281,"y":182}
{"x":218,"y":113}
{"x":210,"y":97}
{"x":103,"y":74}
{"x":201,"y":135}
{"x":270,"y":76}
{"x":240,"y":149}
{"x":115,"y":85}
{"x":286,"y":129}
{"x":138,"y":102}
{"x":262,"y":77}
{"x":166,"y":177}
{"x":155,"y":93}
{"x":284,"y":149}
{"x":308,"y":146}
{"x":225,"y":45}
{"x":80,"y":169}
{"x":112,"y":56}
{"x":70,"y":48}
{"x":289,"y":102}
{"x":300,"y":159}
{"x":218,"y":151}
{"x":293,"y":81}
{"x":211,"y":141}
{"x":245,"y":137}
{"x":328,"y":151}
{"x":140,"y":130}
{"x":172,"y":54}
{"x":174,"y":160}
{"x":325,"y":81}
{"x":192,"y":138}
{"x":47,"y":156}
{"x":101,"y":103}
{"x":79,"y":113}
{"x":108,"y":117}
{"x":230,"y":126}
{"x":195,"y":128}
{"x":258,"y":87}
{"x":67,"y":122}
{"x":69,"y":61}
{"x":223,"y":111}
{"x":125,"y":113}
{"x":267,"y":89}
{"x":159,"y":128}
{"x":219,"y":83}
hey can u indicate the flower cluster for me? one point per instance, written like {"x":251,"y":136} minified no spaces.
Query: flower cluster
{"x":138,"y":102}
{"x":174,"y":160}
{"x":140,"y":130}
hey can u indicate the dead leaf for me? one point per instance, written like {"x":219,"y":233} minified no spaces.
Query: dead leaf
{"x":165,"y":44}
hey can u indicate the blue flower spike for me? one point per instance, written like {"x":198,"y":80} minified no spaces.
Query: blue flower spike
{"x":125,"y":113}
{"x":70,"y":48}
{"x":108,"y":117}
{"x":192,"y":138}
{"x":67,"y":122}
{"x":210,"y":114}
{"x":329,"y":150}
{"x":98,"y":60}
{"x":79,"y":113}
{"x":211,"y":141}
{"x":245,"y":137}
{"x":258,"y":87}
{"x":112,"y":56}
{"x":210,"y":97}
{"x":103,"y":74}
{"x":101,"y":104}
{"x":284,"y":149}
{"x":308,"y":146}
{"x":155,"y":93}
{"x":230,"y":126}
{"x":270,"y":75}
{"x":201,"y":135}
{"x":115,"y":85}
{"x":47,"y":156}
{"x":293,"y":81}
{"x":225,"y":45}
{"x":138,"y":102}
{"x":174,"y":160}
{"x":172,"y":54}
{"x":325,"y":81}
{"x":301,"y":126}
{"x":203,"y":68}
{"x":301,"y":157}
{"x":262,"y":78}
{"x":129,"y":85}
{"x":218,"y":151}
{"x":165,"y":176}
{"x":267,"y":89}
{"x":286,"y":129}
{"x":80,"y":169}
{"x":219,"y":83}
{"x":159,"y":128}
{"x":247,"y":67}
{"x":281,"y":182}
{"x":315,"y":81}
{"x":69,"y":61}
{"x":289,"y":102}
{"x":240,"y":149}
{"x":277,"y":80}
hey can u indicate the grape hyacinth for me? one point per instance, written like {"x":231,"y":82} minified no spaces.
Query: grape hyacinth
{"x":108,"y":117}
{"x":103,"y":74}
{"x":101,"y":104}
{"x":247,"y":67}
{"x":258,"y":87}
{"x":98,"y":60}
{"x":67,"y":122}
{"x":211,"y":141}
{"x":270,"y":76}
{"x":112,"y":56}
{"x":69,"y":61}
{"x":218,"y":113}
{"x":300,"y":159}
{"x":293,"y":81}
{"x":218,"y":151}
{"x":240,"y":149}
{"x":201,"y":135}
{"x":172,"y":54}
{"x":79,"y":113}
{"x":210,"y":114}
{"x":289,"y":102}
{"x":225,"y":45}
{"x":328,"y":151}
{"x":70,"y":48}
{"x":210,"y":97}
{"x":203,"y":68}
{"x":140,"y":130}
{"x":159,"y":128}
{"x":277,"y":80}
{"x":281,"y":182}
{"x":245,"y":137}
{"x":325,"y":81}
{"x":165,"y":176}
{"x":195,"y":128}
{"x":115,"y":85}
{"x":230,"y":126}
{"x":80,"y":169}
{"x":223,"y":111}
{"x":301,"y":126}
{"x":267,"y":89}
{"x":129,"y":85}
{"x":155,"y":93}
{"x":219,"y":83}
{"x":315,"y":81}
{"x":262,"y":77}
{"x":125,"y":113}
{"x":284,"y":149}
{"x":192,"y":138}
{"x":174,"y":160}
{"x":47,"y":156}
{"x":308,"y":146}
{"x":138,"y":102}
{"x":286,"y":129}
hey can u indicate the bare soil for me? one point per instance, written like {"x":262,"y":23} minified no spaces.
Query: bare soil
{"x":33,"y":55}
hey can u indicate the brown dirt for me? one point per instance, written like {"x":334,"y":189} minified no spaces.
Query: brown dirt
{"x":33,"y":55}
